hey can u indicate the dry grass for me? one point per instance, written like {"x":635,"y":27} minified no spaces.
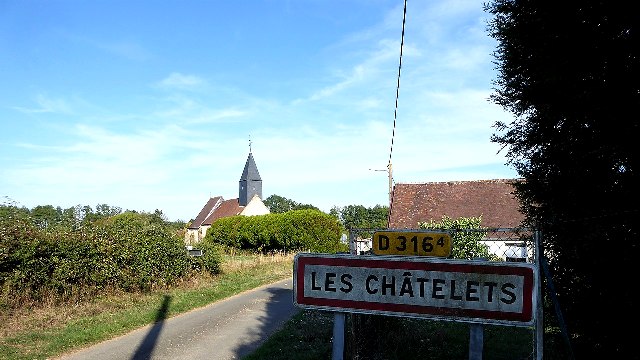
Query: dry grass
{"x":46,"y":315}
{"x":38,"y":316}
{"x":234,"y":261}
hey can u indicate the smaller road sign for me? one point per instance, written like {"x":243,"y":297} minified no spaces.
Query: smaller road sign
{"x":459,"y":290}
{"x":421,"y":243}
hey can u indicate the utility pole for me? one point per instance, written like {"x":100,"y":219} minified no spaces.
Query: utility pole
{"x":390,"y":174}
{"x":390,"y":183}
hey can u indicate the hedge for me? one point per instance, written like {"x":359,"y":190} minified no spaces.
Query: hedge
{"x":296,"y":230}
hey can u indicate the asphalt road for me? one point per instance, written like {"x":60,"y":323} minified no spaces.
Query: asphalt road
{"x":228,"y":329}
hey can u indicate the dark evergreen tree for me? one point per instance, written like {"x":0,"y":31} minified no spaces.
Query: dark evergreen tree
{"x":570,"y":74}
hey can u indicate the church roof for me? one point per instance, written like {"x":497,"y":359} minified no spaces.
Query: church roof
{"x":227,"y":208}
{"x":206,"y":211}
{"x":250,"y":171}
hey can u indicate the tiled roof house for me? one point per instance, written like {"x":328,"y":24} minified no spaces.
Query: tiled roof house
{"x":249,"y":202}
{"x":492,"y":200}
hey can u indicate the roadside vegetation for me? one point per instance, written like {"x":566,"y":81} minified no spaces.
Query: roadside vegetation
{"x":71,"y":279}
{"x":74,"y":277}
{"x":49,"y":329}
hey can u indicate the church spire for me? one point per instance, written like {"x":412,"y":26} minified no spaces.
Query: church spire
{"x":250,"y":183}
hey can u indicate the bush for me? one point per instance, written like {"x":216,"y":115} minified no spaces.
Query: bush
{"x":211,"y":259}
{"x":129,"y":251}
{"x":147,"y":253}
{"x":309,"y":230}
{"x":466,"y":234}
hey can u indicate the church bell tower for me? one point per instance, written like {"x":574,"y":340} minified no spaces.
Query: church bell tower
{"x":250,"y":182}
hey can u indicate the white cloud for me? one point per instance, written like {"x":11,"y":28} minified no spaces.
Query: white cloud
{"x":46,"y":104}
{"x":181,"y":81}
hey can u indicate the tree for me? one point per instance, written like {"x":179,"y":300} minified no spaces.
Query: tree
{"x":358,"y":216}
{"x":279,"y":204}
{"x":104,"y":210}
{"x":46,"y":215}
{"x":568,"y":71}
{"x":467,"y":235}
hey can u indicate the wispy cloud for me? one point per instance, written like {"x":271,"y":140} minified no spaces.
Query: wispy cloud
{"x":121,"y":48}
{"x":46,"y":104}
{"x":181,"y":81}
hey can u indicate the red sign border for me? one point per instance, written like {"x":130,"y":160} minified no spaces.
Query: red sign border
{"x":526,"y":317}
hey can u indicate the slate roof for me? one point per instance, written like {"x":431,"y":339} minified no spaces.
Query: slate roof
{"x":493,"y":200}
{"x":250,"y":171}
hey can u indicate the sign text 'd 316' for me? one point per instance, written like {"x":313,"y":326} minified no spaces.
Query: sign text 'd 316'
{"x":419,"y":243}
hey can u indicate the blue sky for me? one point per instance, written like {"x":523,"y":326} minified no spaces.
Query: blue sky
{"x":151,"y":104}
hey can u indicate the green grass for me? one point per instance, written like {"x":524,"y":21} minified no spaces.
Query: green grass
{"x":308,"y":336}
{"x":44,"y":334}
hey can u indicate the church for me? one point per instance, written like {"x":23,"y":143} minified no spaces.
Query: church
{"x":248,"y":203}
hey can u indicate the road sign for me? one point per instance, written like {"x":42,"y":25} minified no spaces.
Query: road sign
{"x":413,"y":286}
{"x":422,"y":243}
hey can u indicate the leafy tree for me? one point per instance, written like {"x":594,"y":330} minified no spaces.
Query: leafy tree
{"x":104,"y":210}
{"x":300,"y":206}
{"x":466,"y":236}
{"x":45,"y":215}
{"x":9,"y":209}
{"x":568,"y":71}
{"x":358,"y":216}
{"x":69,"y":218}
{"x":279,"y":204}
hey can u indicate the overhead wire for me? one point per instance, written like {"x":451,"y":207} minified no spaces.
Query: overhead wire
{"x":395,"y":111}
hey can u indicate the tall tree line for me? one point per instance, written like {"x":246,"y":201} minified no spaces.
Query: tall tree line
{"x":569,"y":72}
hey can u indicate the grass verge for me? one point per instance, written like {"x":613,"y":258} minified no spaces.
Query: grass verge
{"x":308,"y":335}
{"x":48,"y":331}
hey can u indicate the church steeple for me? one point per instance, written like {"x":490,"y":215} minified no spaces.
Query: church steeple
{"x":250,"y":182}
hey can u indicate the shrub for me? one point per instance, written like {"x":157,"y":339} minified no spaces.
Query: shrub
{"x":466,"y":236}
{"x":211,"y":259}
{"x":147,"y":253}
{"x":130,"y":251}
{"x":295,"y":230}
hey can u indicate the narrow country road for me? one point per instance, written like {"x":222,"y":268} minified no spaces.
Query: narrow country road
{"x":227,"y":329}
